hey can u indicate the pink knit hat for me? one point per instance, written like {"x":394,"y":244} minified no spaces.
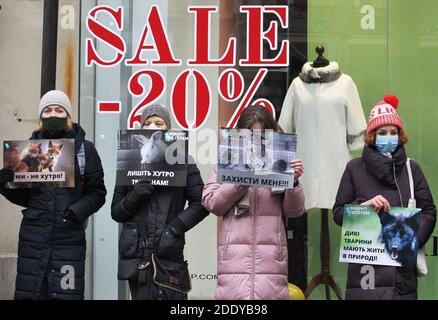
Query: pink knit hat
{"x":384,"y":114}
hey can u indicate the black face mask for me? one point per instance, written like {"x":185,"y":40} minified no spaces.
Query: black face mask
{"x":54,"y":125}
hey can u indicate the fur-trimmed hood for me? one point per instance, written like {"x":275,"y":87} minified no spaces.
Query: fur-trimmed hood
{"x":329,"y":73}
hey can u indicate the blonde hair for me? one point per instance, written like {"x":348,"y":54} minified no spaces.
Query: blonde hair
{"x":68,"y":125}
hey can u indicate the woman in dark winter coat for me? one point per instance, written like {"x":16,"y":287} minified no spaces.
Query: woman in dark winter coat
{"x":154,"y":223}
{"x":380,"y":179}
{"x":52,"y":247}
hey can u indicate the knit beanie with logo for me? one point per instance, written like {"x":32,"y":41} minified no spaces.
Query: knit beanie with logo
{"x":384,"y":113}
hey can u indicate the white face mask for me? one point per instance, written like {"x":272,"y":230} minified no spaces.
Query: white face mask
{"x":154,"y":123}
{"x":152,"y":126}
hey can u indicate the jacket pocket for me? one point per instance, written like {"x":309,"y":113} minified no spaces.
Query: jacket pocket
{"x":129,"y":240}
{"x":32,"y":214}
{"x":36,"y":217}
{"x":170,"y":246}
{"x":171,"y":274}
{"x":128,"y":268}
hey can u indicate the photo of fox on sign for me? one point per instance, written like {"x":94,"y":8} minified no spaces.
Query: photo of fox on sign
{"x":44,"y":161}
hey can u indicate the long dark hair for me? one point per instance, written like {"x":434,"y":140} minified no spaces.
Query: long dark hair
{"x":257,"y":113}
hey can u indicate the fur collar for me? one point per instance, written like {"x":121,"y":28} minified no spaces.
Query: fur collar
{"x":326,"y":74}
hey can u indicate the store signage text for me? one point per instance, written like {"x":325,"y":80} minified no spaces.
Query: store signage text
{"x":154,"y":39}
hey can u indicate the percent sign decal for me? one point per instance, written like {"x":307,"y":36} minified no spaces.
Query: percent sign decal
{"x":231,"y":87}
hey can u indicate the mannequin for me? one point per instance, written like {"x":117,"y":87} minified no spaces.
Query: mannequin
{"x":320,"y":61}
{"x":322,"y":106}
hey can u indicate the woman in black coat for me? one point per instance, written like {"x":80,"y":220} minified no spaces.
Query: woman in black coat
{"x":154,"y":223}
{"x":52,"y":247}
{"x":380,"y":179}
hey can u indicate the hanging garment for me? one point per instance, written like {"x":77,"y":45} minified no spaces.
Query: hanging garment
{"x":322,"y":106}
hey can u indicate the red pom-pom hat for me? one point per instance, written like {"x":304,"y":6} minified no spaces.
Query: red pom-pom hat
{"x":384,"y":114}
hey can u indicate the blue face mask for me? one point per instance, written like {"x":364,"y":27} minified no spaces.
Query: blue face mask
{"x":386,"y":144}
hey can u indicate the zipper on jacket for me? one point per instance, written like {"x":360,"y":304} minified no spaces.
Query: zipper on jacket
{"x":49,"y":266}
{"x":395,"y":179}
{"x":253,"y":243}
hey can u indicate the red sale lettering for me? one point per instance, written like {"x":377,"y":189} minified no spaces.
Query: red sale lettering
{"x":202,"y":100}
{"x":154,"y":28}
{"x":249,"y":94}
{"x":256,"y":36}
{"x":203,"y":37}
{"x":266,"y":103}
{"x":161,"y":43}
{"x":156,"y":90}
{"x":230,"y":85}
{"x":190,"y":108}
{"x":101,"y":32}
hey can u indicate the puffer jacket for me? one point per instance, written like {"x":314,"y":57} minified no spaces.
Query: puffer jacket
{"x":145,"y":240}
{"x":252,"y":248}
{"x":49,"y":244}
{"x":375,"y":174}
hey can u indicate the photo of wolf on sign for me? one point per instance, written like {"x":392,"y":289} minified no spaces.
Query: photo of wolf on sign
{"x":40,"y":161}
{"x":400,"y":236}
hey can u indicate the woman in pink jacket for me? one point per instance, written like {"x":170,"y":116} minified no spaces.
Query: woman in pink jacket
{"x":252,"y":248}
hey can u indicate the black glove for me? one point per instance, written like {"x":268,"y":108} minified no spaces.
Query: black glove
{"x":177,"y":227}
{"x":71,"y":216}
{"x":6,"y":175}
{"x":171,"y":244}
{"x":142,"y":190}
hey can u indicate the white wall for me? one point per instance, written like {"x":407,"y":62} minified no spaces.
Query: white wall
{"x":20,"y":69}
{"x":21,"y":29}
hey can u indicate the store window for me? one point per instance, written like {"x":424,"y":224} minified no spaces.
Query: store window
{"x":207,"y":66}
{"x":372,"y":43}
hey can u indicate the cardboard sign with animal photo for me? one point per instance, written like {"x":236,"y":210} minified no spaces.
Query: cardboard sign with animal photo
{"x":160,"y":155}
{"x":389,"y":238}
{"x":257,"y":158}
{"x":43,"y":161}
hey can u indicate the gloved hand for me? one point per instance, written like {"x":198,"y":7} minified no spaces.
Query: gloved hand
{"x":71,"y":216}
{"x":171,"y":244}
{"x":142,"y":190}
{"x":177,"y":227}
{"x":6,"y":175}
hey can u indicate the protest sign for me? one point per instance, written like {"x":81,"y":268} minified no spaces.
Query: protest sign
{"x":156,"y":154}
{"x":389,"y":238}
{"x":42,"y":161}
{"x":256,"y":157}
